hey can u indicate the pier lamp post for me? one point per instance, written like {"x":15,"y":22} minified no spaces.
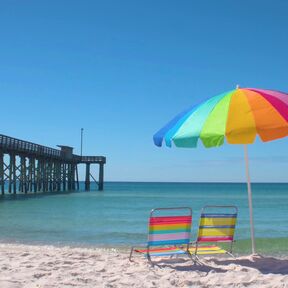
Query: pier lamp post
{"x":81,"y":140}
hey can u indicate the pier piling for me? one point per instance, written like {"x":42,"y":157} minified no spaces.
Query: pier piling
{"x":36,"y":168}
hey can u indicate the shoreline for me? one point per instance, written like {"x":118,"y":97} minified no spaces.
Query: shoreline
{"x":28,"y":266}
{"x":241,"y":247}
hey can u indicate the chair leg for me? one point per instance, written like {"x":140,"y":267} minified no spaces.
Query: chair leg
{"x":149,"y":259}
{"x":191,"y":257}
{"x":196,"y":256}
{"x":230,"y":252}
{"x":131,"y":252}
{"x":189,"y":253}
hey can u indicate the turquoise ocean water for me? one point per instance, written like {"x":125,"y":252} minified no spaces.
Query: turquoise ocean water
{"x":117,"y":216}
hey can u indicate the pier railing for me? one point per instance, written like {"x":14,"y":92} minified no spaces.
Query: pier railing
{"x":17,"y":145}
{"x":11,"y":145}
{"x":92,"y":159}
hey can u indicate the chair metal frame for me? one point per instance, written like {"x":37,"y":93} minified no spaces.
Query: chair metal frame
{"x":196,"y":243}
{"x":147,"y":246}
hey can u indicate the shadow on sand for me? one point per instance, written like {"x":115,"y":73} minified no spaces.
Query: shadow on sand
{"x":186,"y":265}
{"x":265,"y":265}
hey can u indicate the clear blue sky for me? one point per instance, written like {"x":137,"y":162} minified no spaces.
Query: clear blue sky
{"x":122,"y":69}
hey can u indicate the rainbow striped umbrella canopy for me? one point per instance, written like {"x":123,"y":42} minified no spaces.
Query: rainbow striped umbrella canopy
{"x":238,"y":115}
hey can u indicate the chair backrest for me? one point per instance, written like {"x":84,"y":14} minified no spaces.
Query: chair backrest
{"x":172,"y":229}
{"x":217,"y":227}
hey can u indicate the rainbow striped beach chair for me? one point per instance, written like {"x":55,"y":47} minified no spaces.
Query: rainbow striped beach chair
{"x":215,"y":227}
{"x":168,"y":234}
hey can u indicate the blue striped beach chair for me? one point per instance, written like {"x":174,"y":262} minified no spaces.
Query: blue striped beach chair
{"x":168,"y":235}
{"x":215,"y":227}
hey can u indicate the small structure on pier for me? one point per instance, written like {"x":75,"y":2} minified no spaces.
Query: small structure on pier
{"x":28,"y":167}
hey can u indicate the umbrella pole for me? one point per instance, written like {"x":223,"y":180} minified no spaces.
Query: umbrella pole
{"x":249,"y":199}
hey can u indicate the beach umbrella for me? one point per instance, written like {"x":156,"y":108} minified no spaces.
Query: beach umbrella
{"x":236,"y":116}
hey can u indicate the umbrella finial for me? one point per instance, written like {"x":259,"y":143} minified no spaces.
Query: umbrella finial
{"x":237,"y":86}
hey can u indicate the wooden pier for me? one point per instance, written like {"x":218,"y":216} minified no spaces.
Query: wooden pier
{"x":29,"y":167}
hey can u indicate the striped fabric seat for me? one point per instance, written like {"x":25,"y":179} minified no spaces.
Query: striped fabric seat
{"x":204,"y":250}
{"x":169,"y":230}
{"x":169,"y":234}
{"x":167,"y":251}
{"x":215,"y":227}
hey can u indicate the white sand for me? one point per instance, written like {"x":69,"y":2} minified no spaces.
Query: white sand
{"x":46,"y":266}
